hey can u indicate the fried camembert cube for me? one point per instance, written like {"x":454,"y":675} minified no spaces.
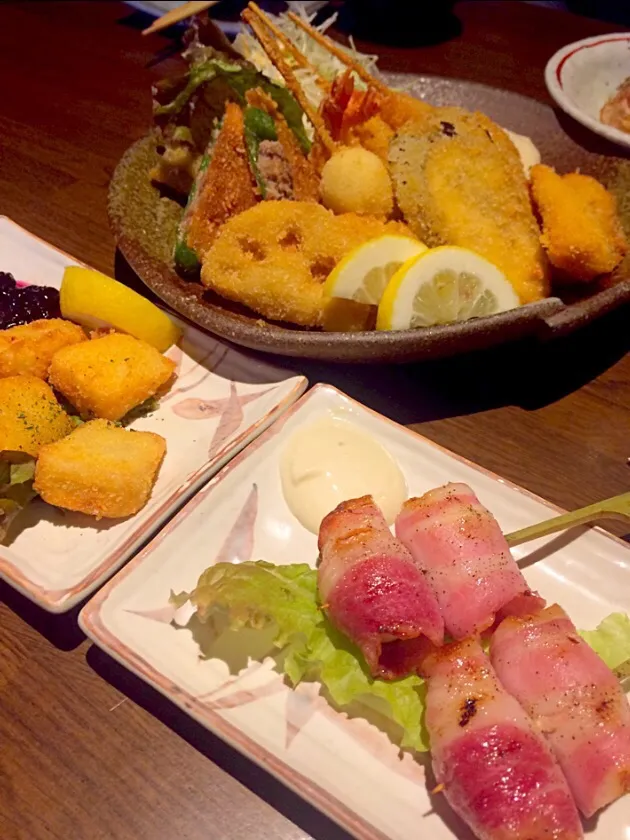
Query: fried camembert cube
{"x":29,"y":348}
{"x":100,"y":469}
{"x":108,"y":376}
{"x":30,"y":416}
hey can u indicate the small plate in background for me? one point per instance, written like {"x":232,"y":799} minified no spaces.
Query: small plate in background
{"x":221,"y":400}
{"x":583,"y":76}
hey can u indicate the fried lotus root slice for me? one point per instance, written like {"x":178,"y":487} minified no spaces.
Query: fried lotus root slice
{"x":275,"y":257}
{"x":459,"y":180}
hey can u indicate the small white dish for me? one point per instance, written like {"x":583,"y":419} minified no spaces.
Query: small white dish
{"x":582,"y":77}
{"x":221,"y":400}
{"x":345,"y":766}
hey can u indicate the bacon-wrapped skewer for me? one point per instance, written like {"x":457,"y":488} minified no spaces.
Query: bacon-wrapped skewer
{"x":494,"y":768}
{"x":466,"y":558}
{"x":373,"y":591}
{"x":573,"y":698}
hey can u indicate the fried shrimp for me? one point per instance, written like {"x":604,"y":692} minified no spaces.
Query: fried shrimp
{"x":458,"y":180}
{"x":275,"y":257}
{"x":582,"y":233}
{"x":229,"y":187}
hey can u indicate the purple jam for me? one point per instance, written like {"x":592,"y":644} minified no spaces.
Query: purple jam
{"x":21,"y":303}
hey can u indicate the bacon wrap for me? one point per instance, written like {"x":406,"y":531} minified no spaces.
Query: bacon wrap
{"x":466,"y":558}
{"x":498,"y":773}
{"x":573,"y":698}
{"x":373,"y":591}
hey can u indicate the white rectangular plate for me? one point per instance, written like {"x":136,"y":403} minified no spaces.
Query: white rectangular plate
{"x":221,"y":400}
{"x":346,"y":767}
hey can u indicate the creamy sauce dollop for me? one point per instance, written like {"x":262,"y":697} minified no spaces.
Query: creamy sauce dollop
{"x":526,"y":149}
{"x":332,"y":460}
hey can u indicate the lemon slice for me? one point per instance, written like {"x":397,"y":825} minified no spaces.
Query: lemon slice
{"x":363,"y":274}
{"x":443,"y":285}
{"x":94,"y":300}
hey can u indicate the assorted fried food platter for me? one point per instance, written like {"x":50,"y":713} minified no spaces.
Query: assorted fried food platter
{"x":319,"y":198}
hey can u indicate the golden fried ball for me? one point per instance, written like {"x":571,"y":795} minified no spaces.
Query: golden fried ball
{"x":357,"y":181}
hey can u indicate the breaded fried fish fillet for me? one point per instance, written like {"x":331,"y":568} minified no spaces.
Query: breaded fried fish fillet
{"x":459,"y":181}
{"x":582,"y":233}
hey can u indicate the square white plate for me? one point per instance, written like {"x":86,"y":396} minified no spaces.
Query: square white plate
{"x":221,"y":400}
{"x":346,"y":767}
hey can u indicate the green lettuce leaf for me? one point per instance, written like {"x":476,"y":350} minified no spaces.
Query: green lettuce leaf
{"x":284,"y":598}
{"x":261,"y":595}
{"x":16,"y":487}
{"x":611,"y":639}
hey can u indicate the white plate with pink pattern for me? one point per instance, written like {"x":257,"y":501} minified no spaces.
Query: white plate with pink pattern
{"x":346,"y":767}
{"x":221,"y":400}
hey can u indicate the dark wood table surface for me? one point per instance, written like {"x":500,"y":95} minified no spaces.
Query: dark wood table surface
{"x":86,"y":750}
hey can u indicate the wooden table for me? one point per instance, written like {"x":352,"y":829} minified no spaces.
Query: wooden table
{"x":87,"y":751}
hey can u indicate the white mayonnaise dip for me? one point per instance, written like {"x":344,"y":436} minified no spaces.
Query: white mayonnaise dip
{"x":332,"y":460}
{"x":528,"y":152}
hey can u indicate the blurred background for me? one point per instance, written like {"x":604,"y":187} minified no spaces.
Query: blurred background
{"x":393,"y":21}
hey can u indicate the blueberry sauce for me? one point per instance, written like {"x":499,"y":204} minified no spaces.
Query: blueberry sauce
{"x":21,"y":303}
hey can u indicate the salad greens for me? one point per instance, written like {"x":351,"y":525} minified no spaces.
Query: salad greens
{"x":16,"y":487}
{"x":215,"y":79}
{"x":260,"y":595}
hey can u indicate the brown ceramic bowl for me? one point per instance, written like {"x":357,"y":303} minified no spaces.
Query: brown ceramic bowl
{"x":144,"y":226}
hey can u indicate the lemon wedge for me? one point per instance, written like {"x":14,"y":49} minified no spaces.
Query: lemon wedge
{"x":363,"y":274}
{"x":94,"y":300}
{"x":443,"y":285}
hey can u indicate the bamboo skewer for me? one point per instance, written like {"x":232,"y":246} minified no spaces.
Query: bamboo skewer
{"x":338,"y":52}
{"x":616,"y":508}
{"x":286,"y":43}
{"x":177,"y":15}
{"x":258,"y":25}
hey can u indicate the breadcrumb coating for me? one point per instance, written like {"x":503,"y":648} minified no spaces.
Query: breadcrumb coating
{"x":100,"y":469}
{"x":108,"y":376}
{"x":229,"y":186}
{"x":275,"y":257}
{"x":29,"y":348}
{"x":30,"y":415}
{"x":582,"y":233}
{"x":458,"y":180}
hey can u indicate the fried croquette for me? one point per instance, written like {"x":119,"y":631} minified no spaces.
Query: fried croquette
{"x":108,"y":376}
{"x":229,"y":187}
{"x":30,"y":415}
{"x":28,"y":348}
{"x":458,"y":180}
{"x":275,"y":257}
{"x":355,"y":180}
{"x":582,"y":233}
{"x":100,"y":469}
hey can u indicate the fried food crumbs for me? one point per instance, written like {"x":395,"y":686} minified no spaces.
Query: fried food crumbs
{"x":29,"y":348}
{"x":275,"y":257}
{"x":582,"y":233}
{"x":100,"y":469}
{"x":229,"y":186}
{"x":459,"y":180}
{"x":109,"y":376}
{"x":30,"y":415}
